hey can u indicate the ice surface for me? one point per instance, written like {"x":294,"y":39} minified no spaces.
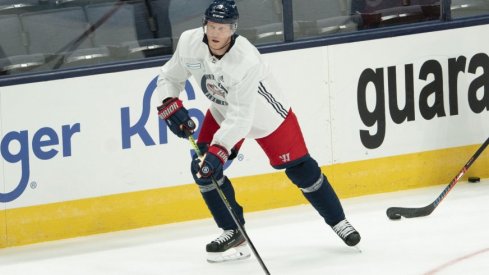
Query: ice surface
{"x":294,"y":240}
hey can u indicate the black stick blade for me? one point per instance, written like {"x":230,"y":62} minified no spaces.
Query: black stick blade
{"x":395,"y":213}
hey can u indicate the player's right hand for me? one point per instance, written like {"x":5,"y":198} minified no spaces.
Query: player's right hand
{"x":211,"y":164}
{"x":176,"y":117}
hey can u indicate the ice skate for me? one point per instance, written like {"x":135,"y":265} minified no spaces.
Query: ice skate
{"x":230,"y":246}
{"x":347,"y":233}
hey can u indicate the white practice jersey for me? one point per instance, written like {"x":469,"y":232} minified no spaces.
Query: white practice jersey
{"x":245,"y":100}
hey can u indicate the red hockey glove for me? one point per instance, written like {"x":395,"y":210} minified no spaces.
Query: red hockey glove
{"x":212,"y":164}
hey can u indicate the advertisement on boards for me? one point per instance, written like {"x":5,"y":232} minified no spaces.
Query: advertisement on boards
{"x":409,"y":94}
{"x":99,"y":135}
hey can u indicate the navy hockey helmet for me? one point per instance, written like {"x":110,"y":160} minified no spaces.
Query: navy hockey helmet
{"x":222,"y":11}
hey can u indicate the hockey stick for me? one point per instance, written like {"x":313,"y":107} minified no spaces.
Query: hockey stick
{"x":230,"y":209}
{"x":395,"y":213}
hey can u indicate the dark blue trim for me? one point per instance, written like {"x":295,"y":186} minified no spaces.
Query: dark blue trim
{"x":371,"y":34}
{"x":363,"y":35}
{"x":292,"y":163}
{"x":446,"y":11}
{"x":83,"y":71}
{"x":288,"y":21}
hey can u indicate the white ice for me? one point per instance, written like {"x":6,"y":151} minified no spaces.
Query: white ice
{"x":294,"y":240}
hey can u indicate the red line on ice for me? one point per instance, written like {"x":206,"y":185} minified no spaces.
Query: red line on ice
{"x":454,"y":261}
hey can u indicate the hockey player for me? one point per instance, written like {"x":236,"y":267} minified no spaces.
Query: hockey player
{"x":245,"y":103}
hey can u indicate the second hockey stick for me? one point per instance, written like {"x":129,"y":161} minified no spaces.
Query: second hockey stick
{"x":395,"y":213}
{"x":230,"y":209}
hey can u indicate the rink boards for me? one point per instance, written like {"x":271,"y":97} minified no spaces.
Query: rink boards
{"x":88,"y":155}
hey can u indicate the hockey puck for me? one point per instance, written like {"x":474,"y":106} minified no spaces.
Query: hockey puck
{"x":474,"y":179}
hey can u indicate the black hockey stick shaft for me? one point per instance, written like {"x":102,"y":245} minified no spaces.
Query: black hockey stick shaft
{"x":230,"y":209}
{"x":397,"y":212}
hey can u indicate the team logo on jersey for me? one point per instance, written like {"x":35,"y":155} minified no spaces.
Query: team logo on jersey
{"x":213,"y":89}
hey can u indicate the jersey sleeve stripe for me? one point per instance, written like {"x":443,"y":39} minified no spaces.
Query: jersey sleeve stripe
{"x":270,"y":99}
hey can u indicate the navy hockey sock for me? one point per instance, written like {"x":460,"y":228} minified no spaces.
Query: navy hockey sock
{"x":317,"y":190}
{"x":217,"y":207}
{"x":325,"y":201}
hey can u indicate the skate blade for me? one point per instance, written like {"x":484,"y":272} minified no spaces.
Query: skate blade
{"x":240,"y":252}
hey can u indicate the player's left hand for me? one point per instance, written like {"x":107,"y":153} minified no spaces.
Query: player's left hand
{"x":212,"y":163}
